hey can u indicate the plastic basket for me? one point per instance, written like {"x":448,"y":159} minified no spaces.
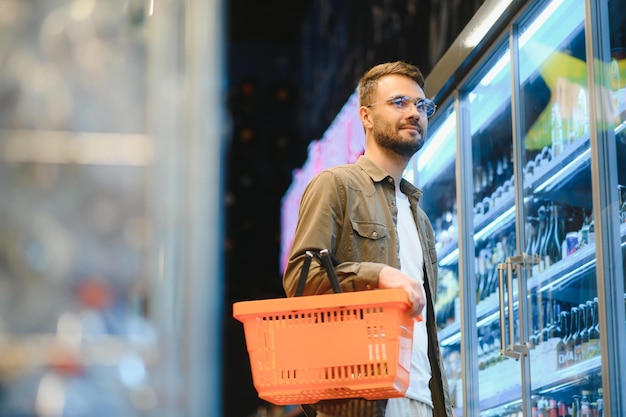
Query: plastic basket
{"x":348,"y":345}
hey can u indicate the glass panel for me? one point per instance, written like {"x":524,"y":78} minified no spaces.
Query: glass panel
{"x":74,"y":225}
{"x":436,"y":176}
{"x":558,"y":227}
{"x":490,"y":124}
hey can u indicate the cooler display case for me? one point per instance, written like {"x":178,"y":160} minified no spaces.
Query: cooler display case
{"x":526,"y":194}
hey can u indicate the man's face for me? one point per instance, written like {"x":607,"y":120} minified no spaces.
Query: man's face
{"x":399,"y":130}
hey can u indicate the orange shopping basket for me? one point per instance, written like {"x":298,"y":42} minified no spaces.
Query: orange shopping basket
{"x":333,"y":346}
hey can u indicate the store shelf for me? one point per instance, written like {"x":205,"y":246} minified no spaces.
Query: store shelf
{"x":543,"y":382}
{"x":567,"y":270}
{"x":19,"y":354}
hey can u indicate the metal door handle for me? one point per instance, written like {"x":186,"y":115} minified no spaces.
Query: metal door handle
{"x":508,"y":347}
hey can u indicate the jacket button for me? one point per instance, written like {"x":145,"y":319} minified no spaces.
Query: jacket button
{"x":375,"y":234}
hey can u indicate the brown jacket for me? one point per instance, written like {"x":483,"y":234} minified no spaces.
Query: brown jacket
{"x":351,"y":211}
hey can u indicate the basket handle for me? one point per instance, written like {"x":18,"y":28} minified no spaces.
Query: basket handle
{"x":324,"y":258}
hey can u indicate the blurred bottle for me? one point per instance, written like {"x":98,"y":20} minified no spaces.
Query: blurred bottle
{"x":615,"y":87}
{"x":556,"y":332}
{"x":552,"y":408}
{"x":547,"y":328}
{"x":561,"y":347}
{"x":593,"y":347}
{"x":582,"y":113}
{"x":578,"y":342}
{"x":558,"y":142}
{"x":558,"y":235}
{"x":585,"y":404}
{"x":584,"y":329}
{"x":573,"y":334}
{"x":575,"y":410}
{"x":599,"y":404}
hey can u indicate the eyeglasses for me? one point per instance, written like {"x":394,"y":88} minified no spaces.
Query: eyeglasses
{"x":403,"y":103}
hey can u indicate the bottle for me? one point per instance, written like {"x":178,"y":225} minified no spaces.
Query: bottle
{"x":547,"y":328}
{"x":600,"y":404}
{"x":556,"y":333}
{"x":535,"y":409}
{"x":585,"y":404}
{"x":561,"y":347}
{"x":558,"y":142}
{"x":558,"y":236}
{"x":552,"y":408}
{"x":575,"y":412}
{"x":530,"y":233}
{"x":562,"y":409}
{"x":541,"y":237}
{"x":584,"y":330}
{"x":583,"y":113}
{"x":578,"y":342}
{"x":545,"y":255}
{"x":542,"y":405}
{"x":593,"y":347}
{"x":573,"y":334}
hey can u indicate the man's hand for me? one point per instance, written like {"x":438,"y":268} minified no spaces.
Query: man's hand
{"x":394,"y":278}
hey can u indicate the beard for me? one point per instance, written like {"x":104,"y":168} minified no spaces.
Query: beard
{"x":387,"y":137}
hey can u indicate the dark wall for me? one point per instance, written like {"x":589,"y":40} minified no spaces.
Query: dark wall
{"x":292,"y":65}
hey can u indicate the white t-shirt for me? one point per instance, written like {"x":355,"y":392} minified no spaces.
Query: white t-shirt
{"x":412,"y":264}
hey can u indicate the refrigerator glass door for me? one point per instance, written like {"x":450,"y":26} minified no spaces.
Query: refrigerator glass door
{"x":565,"y":367}
{"x":488,"y":102}
{"x":434,"y":168}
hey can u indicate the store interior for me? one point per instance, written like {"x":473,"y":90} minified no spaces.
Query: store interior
{"x":147,"y":150}
{"x":95,"y":135}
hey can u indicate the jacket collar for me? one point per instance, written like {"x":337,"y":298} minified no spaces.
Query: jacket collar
{"x":378,"y":174}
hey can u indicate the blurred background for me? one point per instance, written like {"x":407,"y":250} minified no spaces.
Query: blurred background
{"x":145,"y":147}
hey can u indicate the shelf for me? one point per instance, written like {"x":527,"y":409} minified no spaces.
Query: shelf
{"x":545,"y":382}
{"x":542,"y":382}
{"x":20,"y":354}
{"x":566,"y":270}
{"x":559,"y":180}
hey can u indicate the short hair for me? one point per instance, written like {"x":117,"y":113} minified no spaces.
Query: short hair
{"x":369,"y":81}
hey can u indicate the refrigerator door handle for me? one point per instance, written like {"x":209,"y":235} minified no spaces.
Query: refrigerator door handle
{"x":507,"y":347}
{"x":513,"y":263}
{"x":501,"y":267}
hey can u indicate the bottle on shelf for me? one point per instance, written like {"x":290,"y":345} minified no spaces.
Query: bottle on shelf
{"x":563,"y":409}
{"x":558,"y":142}
{"x":534,"y":339}
{"x":538,"y":244}
{"x":573,"y":335}
{"x":599,"y":404}
{"x":552,"y":408}
{"x":582,"y":113}
{"x":585,"y":404}
{"x":593,"y":346}
{"x":547,"y":327}
{"x":561,"y":347}
{"x":584,"y":329}
{"x":578,"y":342}
{"x":557,"y":235}
{"x":534,"y":410}
{"x":575,"y":410}
{"x":556,"y":333}
{"x":545,"y":244}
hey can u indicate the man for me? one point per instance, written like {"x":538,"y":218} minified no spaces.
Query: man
{"x":368,"y":218}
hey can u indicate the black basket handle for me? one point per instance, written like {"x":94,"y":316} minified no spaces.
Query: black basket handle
{"x":324,"y":258}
